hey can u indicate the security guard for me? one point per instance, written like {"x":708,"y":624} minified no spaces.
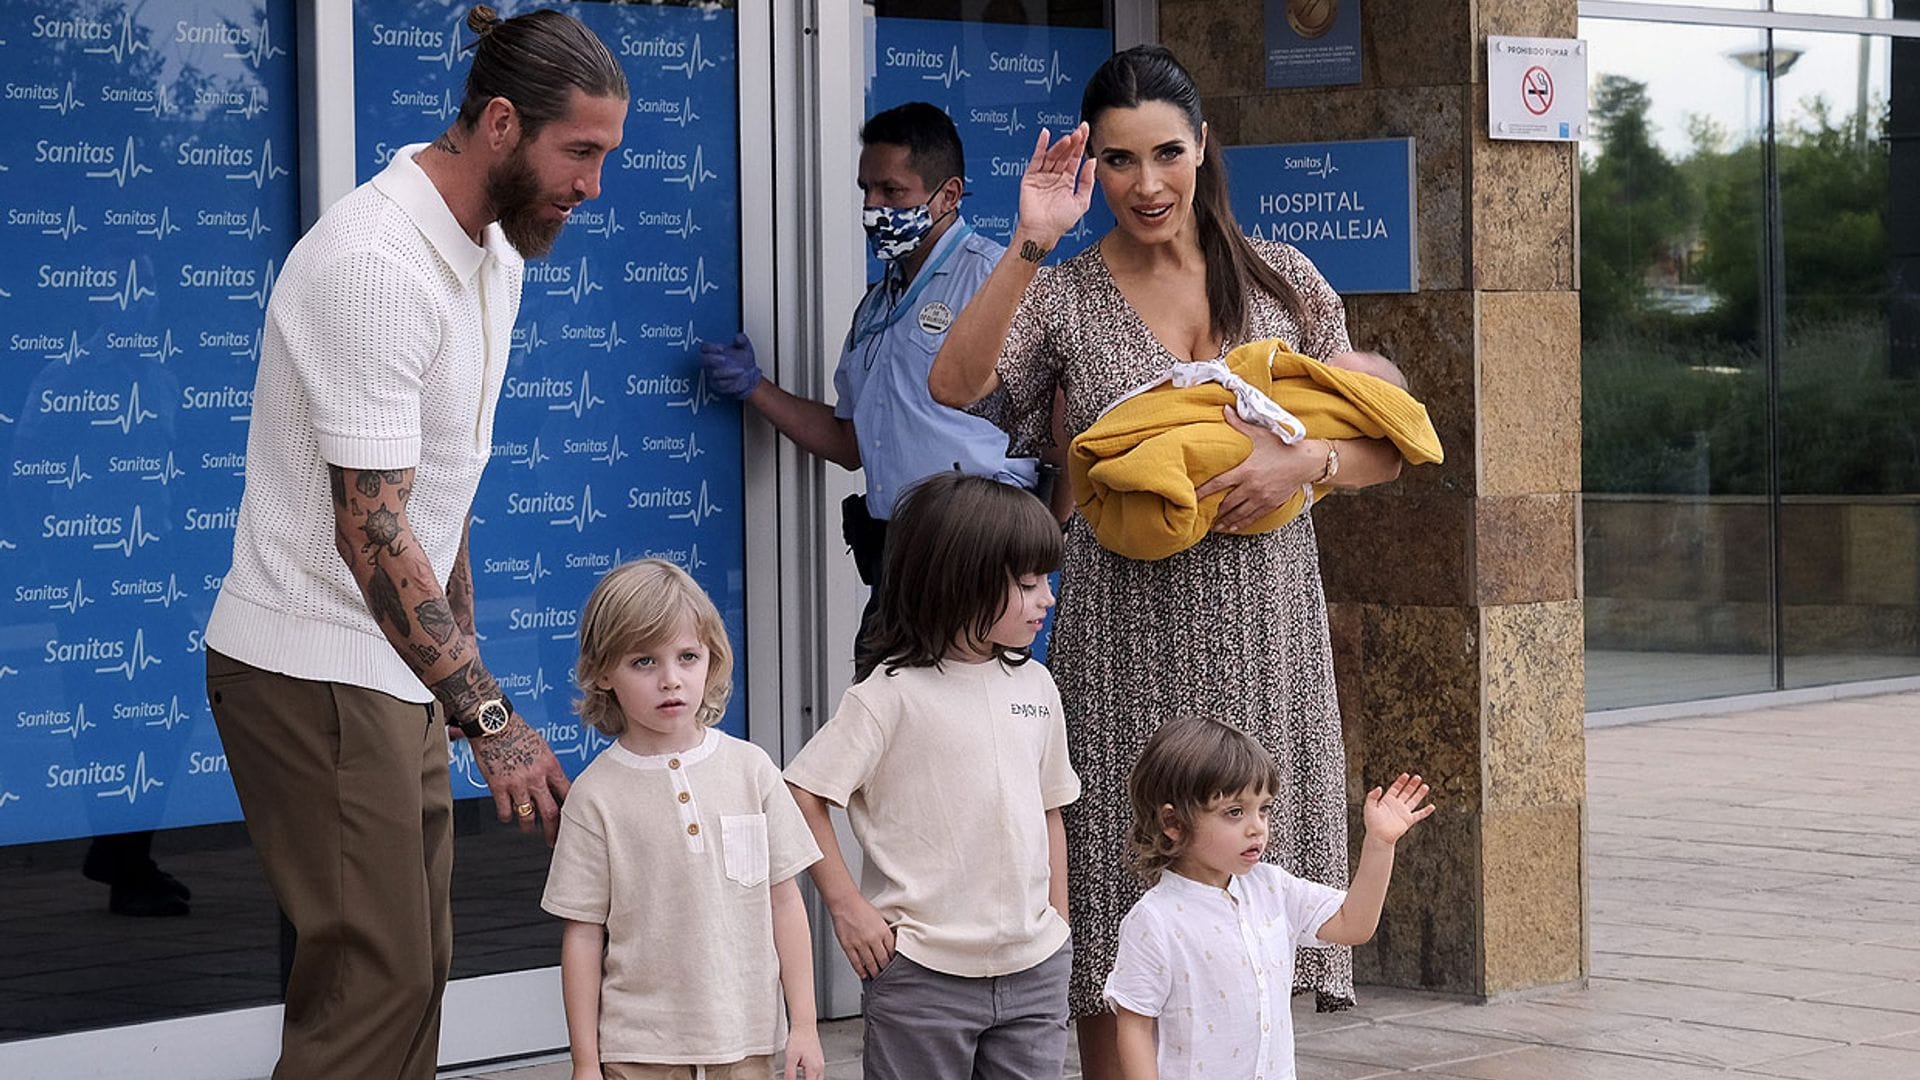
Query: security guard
{"x":912,"y":171}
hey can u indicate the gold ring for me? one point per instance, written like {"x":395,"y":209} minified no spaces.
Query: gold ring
{"x":525,"y":809}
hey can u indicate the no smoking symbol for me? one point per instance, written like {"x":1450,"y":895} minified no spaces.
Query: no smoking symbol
{"x":1536,"y":90}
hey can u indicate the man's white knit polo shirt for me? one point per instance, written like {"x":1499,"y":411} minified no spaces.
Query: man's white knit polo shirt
{"x":385,"y":347}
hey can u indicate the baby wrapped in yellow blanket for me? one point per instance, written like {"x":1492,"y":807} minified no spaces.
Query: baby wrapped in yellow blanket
{"x":1134,"y":472}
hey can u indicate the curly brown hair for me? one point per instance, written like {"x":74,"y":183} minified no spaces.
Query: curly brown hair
{"x":1188,"y":764}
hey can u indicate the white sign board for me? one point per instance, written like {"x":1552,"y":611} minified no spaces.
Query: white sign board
{"x":1536,"y":88}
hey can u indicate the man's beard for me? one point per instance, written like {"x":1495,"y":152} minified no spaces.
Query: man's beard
{"x":513,"y":188}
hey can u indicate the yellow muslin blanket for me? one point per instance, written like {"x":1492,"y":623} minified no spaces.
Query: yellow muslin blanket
{"x":1135,"y":470}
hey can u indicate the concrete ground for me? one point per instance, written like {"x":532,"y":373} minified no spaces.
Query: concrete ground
{"x":1755,"y":912}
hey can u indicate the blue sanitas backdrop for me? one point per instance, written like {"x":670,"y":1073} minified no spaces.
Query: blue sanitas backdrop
{"x":1349,"y":206}
{"x":147,"y":194}
{"x":1001,"y":83}
{"x":607,"y":445}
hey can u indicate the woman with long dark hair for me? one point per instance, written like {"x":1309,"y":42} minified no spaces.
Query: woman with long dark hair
{"x":1234,"y":627}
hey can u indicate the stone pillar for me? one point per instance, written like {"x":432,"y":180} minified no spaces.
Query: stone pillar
{"x":1455,"y":592}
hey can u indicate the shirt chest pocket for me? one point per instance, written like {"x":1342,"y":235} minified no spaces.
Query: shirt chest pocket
{"x":743,"y":847}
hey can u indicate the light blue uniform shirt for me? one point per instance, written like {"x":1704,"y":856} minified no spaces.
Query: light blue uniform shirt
{"x":904,"y":435}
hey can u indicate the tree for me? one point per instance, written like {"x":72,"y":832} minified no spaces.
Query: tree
{"x":1636,"y":209}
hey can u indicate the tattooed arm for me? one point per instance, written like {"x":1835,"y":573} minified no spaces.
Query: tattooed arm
{"x":432,"y":630}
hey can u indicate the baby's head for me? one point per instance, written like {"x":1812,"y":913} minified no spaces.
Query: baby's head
{"x":637,"y":607}
{"x":1187,"y":767}
{"x":1373,"y":364}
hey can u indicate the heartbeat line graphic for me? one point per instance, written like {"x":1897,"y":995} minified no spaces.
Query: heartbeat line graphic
{"x":128,"y":170}
{"x":137,"y":659}
{"x":448,"y":56}
{"x":612,"y":341}
{"x":173,"y":594}
{"x":1080,"y":231}
{"x":75,"y":476}
{"x":259,"y":295}
{"x":162,"y":103}
{"x":699,"y":286}
{"x":4,"y":669}
{"x":695,"y":63}
{"x":137,"y":537}
{"x":175,"y":716}
{"x":66,"y":229}
{"x":460,"y":763}
{"x":583,"y":287}
{"x":75,"y":600}
{"x":7,"y":796}
{"x":252,"y":351}
{"x":262,"y":49}
{"x":125,"y":47}
{"x":530,"y":340}
{"x":253,"y":228}
{"x":702,"y":508}
{"x":137,"y":785}
{"x":73,"y":351}
{"x":166,"y":474}
{"x":613,"y":454}
{"x":949,"y":74}
{"x":165,"y":350}
{"x":591,"y":743}
{"x":162,"y":225}
{"x":692,"y":451}
{"x":132,"y":418}
{"x":582,"y":401}
{"x":687,"y":227}
{"x":611,"y":226}
{"x":694,"y":561}
{"x":78,"y":724}
{"x":687,"y":115}
{"x":534,"y":573}
{"x":255,"y":104}
{"x":586,"y":515}
{"x":533,"y":456}
{"x":445,"y":109}
{"x":699,"y":399}
{"x":540,"y":685}
{"x":128,"y":294}
{"x":1053,"y":79}
{"x":1013,"y":126}
{"x":265,"y":172}
{"x":697,"y":172}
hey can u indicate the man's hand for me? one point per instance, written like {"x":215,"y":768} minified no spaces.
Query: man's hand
{"x":730,"y":369}
{"x":1390,"y":814}
{"x":522,"y":773}
{"x":864,"y":936}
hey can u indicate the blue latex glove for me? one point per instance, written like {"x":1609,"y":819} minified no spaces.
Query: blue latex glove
{"x":730,"y":368}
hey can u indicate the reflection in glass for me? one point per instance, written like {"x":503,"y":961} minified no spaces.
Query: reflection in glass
{"x":1849,"y":369}
{"x":1674,"y":377}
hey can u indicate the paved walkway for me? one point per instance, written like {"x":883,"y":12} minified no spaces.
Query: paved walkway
{"x":1755,"y":912}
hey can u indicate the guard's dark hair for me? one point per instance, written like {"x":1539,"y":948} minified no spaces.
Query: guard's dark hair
{"x":1150,"y":73}
{"x":1188,"y":764}
{"x":932,"y":142}
{"x":953,"y":546}
{"x":536,"y":61}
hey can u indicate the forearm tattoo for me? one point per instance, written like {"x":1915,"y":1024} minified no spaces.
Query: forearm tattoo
{"x":436,"y":618}
{"x":1033,"y":252}
{"x":460,"y":591}
{"x":518,"y":747}
{"x":383,"y":598}
{"x":464,"y":690}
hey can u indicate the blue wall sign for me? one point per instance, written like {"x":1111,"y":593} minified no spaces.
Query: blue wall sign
{"x":1001,"y":83}
{"x":607,"y":445}
{"x":148,"y":192}
{"x":1349,"y":206}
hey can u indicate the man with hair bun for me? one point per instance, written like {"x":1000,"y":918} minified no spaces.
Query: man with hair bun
{"x":341,"y":653}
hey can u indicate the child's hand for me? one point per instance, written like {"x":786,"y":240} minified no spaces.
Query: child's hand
{"x":865,"y":936}
{"x":1389,"y":815}
{"x":805,"y":1060}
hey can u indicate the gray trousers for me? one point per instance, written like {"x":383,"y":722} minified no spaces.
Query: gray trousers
{"x":927,"y":1025}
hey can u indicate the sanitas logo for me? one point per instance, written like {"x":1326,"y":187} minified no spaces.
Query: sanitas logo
{"x":71,"y":29}
{"x":91,"y":650}
{"x":225,"y":398}
{"x":89,"y":525}
{"x":218,"y":277}
{"x":544,"y":388}
{"x":406,"y":37}
{"x":546,"y":618}
{"x":198,"y":520}
{"x":546,"y":502}
{"x":653,"y":160}
{"x":661,"y":498}
{"x":658,"y":385}
{"x":653,"y":48}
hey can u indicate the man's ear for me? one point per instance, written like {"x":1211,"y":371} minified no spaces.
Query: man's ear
{"x":950,"y":192}
{"x":500,"y":125}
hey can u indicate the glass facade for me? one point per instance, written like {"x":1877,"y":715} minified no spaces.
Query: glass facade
{"x":1750,"y":362}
